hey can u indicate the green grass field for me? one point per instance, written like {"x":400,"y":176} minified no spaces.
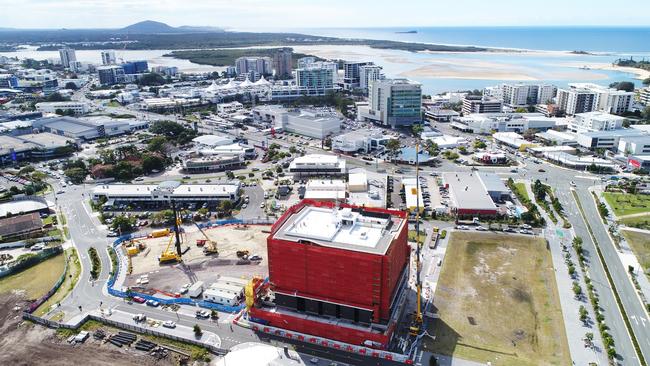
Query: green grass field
{"x":639,"y":222}
{"x":627,"y":204}
{"x":498,"y":302}
{"x":36,"y":281}
{"x":640,"y":244}
{"x":521,"y":190}
{"x":74,"y":271}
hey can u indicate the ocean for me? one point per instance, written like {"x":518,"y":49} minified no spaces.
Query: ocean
{"x":618,"y":40}
{"x":549,"y":59}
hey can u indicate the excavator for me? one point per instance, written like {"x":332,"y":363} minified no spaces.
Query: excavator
{"x":169,"y":255}
{"x":209,"y":245}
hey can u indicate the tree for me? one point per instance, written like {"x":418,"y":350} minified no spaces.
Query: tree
{"x":646,"y":113}
{"x":123,"y":223}
{"x":627,"y":86}
{"x":26,"y":170}
{"x":157,"y":144}
{"x":226,"y":206}
{"x":197,"y":330}
{"x":521,"y":110}
{"x":393,"y":145}
{"x":56,"y":97}
{"x":462,"y":150}
{"x":417,"y":130}
{"x":152,"y":162}
{"x":76,"y":175}
{"x":71,"y":85}
{"x":175,"y":132}
{"x":151,"y":79}
{"x":478,"y":144}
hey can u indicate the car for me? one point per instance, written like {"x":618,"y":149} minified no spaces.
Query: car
{"x":255,"y":257}
{"x":244,"y":205}
{"x":169,"y":324}
{"x":526,"y":226}
{"x":187,"y":177}
{"x":542,"y":171}
{"x":262,"y":205}
{"x":111,"y":234}
{"x":60,"y":191}
{"x":481,"y":228}
{"x":314,"y":360}
{"x":573,"y":184}
{"x":139,"y":299}
{"x":139,"y":179}
{"x":202,"y":314}
{"x":153,"y":303}
{"x":139,"y":318}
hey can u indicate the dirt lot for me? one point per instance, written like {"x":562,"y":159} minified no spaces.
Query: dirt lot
{"x":498,"y":302}
{"x":197,"y":266}
{"x":24,"y":343}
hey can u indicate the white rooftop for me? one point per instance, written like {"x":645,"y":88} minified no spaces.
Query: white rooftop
{"x":341,"y":228}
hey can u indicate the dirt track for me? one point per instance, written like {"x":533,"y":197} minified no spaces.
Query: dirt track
{"x":24,"y":343}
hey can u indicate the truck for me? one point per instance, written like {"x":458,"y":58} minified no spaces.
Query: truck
{"x":159,"y":233}
{"x":196,"y":289}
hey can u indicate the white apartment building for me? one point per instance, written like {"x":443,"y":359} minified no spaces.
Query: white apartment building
{"x":520,"y":95}
{"x":589,"y":97}
{"x":644,"y":96}
{"x":595,"y":121}
{"x":368,"y":74}
{"x":67,"y":56}
{"x":317,"y":165}
{"x":228,"y":108}
{"x":108,"y":57}
{"x":51,"y":107}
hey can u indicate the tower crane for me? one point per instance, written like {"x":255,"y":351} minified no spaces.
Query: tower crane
{"x":416,"y":322}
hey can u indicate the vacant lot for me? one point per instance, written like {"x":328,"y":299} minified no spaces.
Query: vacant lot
{"x":74,"y":271}
{"x":498,"y":302}
{"x":627,"y":204}
{"x":640,"y":244}
{"x":35,"y":281}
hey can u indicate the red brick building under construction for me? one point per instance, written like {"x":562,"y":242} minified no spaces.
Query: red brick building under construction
{"x":337,"y":272}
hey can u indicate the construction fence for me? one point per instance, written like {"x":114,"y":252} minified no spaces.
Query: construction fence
{"x":182,"y":300}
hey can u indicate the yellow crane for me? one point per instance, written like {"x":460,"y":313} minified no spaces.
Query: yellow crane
{"x":209,"y":245}
{"x":169,"y":255}
{"x":416,"y":323}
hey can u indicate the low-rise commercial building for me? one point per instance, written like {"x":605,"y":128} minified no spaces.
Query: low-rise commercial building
{"x":313,"y":122}
{"x":577,"y":162}
{"x":595,"y":121}
{"x":217,"y":163}
{"x":326,"y":190}
{"x":557,"y":138}
{"x":14,"y":149}
{"x":481,"y":104}
{"x":69,"y":106}
{"x":89,"y":128}
{"x":160,"y":195}
{"x":487,"y":123}
{"x":360,"y":141}
{"x":639,"y":162}
{"x":511,"y":139}
{"x":469,"y":195}
{"x":318,"y":165}
{"x":606,"y":139}
{"x":437,"y":114}
{"x":634,"y":145}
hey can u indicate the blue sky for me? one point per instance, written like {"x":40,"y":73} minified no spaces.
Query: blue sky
{"x":250,"y":14}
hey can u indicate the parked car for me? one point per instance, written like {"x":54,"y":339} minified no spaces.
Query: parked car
{"x":202,"y":314}
{"x":153,"y":303}
{"x":169,"y":324}
{"x":481,"y":228}
{"x":255,"y":257}
{"x":139,"y":318}
{"x":139,"y":299}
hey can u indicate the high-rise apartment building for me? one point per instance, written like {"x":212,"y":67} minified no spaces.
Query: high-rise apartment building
{"x":316,"y":76}
{"x":109,"y":75}
{"x":283,"y":63}
{"x":588,"y":97}
{"x":351,"y":78}
{"x":367,"y":74}
{"x":67,"y":55}
{"x":254,"y":66}
{"x":108,"y":57}
{"x":521,"y":95}
{"x":481,"y":104}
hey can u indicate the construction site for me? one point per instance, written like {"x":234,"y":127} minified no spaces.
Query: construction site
{"x":206,"y":254}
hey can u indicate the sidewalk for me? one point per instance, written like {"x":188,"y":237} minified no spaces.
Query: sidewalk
{"x":575,"y":329}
